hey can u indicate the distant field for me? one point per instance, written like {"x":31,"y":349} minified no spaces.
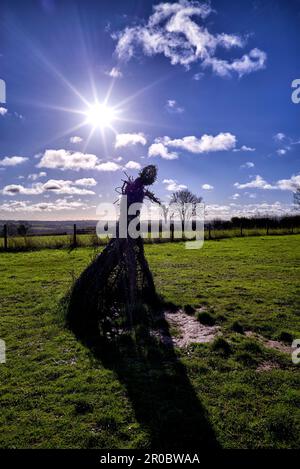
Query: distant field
{"x":16,"y":243}
{"x":54,"y":393}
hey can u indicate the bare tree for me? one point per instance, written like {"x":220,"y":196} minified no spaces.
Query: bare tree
{"x":23,"y":229}
{"x":184,"y":204}
{"x":297,"y":197}
{"x":165,"y":211}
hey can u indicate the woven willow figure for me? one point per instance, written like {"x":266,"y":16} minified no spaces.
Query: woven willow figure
{"x":119,"y":278}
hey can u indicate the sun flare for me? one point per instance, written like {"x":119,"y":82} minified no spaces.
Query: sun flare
{"x":100,"y":115}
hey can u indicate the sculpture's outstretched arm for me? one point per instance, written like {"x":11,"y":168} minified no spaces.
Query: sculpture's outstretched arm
{"x":152,"y":197}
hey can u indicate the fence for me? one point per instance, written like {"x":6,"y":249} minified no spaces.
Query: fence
{"x":88,"y":237}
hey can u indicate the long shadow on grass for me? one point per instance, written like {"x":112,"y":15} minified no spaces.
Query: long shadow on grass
{"x":158,"y":387}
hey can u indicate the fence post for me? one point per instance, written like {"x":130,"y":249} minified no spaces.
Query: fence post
{"x":149,"y":231}
{"x":182,"y":230}
{"x":267,"y":228}
{"x":241,"y":229}
{"x":5,"y":237}
{"x":74,"y":236}
{"x":160,"y":229}
{"x":209,"y":231}
{"x":172,"y":230}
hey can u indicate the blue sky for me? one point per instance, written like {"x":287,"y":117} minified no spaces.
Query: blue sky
{"x":202,"y":90}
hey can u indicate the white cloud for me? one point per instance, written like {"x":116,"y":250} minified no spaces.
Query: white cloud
{"x":35,"y":176}
{"x":207,"y":143}
{"x":248,"y":63}
{"x":279,"y":136}
{"x":115,"y":73}
{"x":198,"y":76}
{"x":57,"y":186}
{"x":133,"y":165}
{"x":283,"y":184}
{"x":14,"y":189}
{"x":248,"y":210}
{"x":207,"y":187}
{"x":86,"y":182}
{"x":65,"y":160}
{"x":248,"y":164}
{"x":122,"y":140}
{"x":172,"y":185}
{"x":291,"y":184}
{"x":257,"y":183}
{"x":75,"y":139}
{"x":285,"y":143}
{"x":159,"y":149}
{"x":3,"y":111}
{"x":108,"y":166}
{"x":19,"y":116}
{"x":173,"y":107}
{"x":213,"y":211}
{"x":244,"y":148}
{"x":172,"y":31}
{"x":12,"y":160}
{"x":235,"y":196}
{"x":57,"y":205}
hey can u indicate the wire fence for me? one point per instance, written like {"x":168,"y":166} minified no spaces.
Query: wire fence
{"x":88,"y":237}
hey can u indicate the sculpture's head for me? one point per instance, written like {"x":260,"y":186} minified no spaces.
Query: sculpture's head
{"x":148,"y":175}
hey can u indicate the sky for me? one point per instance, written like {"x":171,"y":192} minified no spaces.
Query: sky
{"x":96,"y":88}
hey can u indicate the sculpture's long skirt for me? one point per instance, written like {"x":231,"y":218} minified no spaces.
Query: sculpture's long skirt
{"x":118,"y":278}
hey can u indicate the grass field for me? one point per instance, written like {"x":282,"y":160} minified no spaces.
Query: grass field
{"x":55,"y":393}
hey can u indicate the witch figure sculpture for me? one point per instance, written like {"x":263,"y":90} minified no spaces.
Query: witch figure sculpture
{"x":119,"y":279}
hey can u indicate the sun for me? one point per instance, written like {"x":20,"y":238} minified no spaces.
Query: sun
{"x":100,"y":115}
{"x":97,"y":114}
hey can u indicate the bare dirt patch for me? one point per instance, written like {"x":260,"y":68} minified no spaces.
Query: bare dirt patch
{"x":274,"y":344}
{"x":187,"y":330}
{"x":267,"y":366}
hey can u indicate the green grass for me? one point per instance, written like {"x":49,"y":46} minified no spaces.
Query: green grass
{"x":55,"y":393}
